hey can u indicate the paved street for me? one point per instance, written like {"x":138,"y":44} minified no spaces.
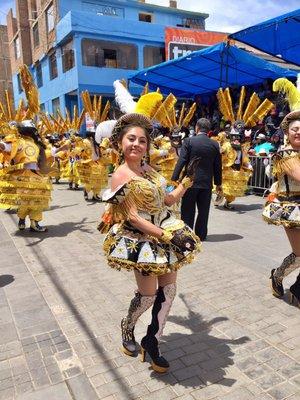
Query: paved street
{"x":227,"y":338}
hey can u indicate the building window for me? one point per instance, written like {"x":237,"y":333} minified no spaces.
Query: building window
{"x":153,"y":55}
{"x":42,"y":107}
{"x":50,"y":20}
{"x":55,"y":106}
{"x":53,"y":66}
{"x":68,"y":60}
{"x":20,"y":88}
{"x":104,"y":54}
{"x":145,"y":17}
{"x":17,"y":47}
{"x":35,"y":34}
{"x":39,"y":75}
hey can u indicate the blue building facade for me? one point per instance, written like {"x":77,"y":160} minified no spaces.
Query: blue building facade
{"x":96,"y":43}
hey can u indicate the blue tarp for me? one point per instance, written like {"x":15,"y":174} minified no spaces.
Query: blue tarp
{"x":279,"y":36}
{"x":207,"y":70}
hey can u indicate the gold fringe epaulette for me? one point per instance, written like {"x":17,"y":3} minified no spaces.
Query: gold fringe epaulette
{"x":284,"y":164}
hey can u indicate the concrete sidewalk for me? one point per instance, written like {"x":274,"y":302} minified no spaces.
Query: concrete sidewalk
{"x":60,"y":309}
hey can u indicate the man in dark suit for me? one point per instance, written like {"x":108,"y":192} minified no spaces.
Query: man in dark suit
{"x":209,"y":169}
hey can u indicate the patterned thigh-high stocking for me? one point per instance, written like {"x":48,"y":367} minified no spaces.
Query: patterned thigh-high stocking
{"x":138,"y":305}
{"x":160,"y":311}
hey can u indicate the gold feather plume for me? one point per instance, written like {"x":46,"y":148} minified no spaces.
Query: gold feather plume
{"x":251,"y":107}
{"x":259,"y":113}
{"x":181,"y":116}
{"x":241,"y":103}
{"x":189,"y":115}
{"x":148,"y":104}
{"x":224,"y":106}
{"x":7,"y":111}
{"x":31,"y":92}
{"x":291,"y":92}
{"x":145,"y":89}
{"x":229,"y":102}
{"x":172,"y":116}
{"x":94,"y":108}
{"x":162,"y":114}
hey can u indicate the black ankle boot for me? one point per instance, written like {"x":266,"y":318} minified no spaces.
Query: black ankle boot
{"x":35,"y":227}
{"x":71,"y":185}
{"x":21,"y":224}
{"x":97,"y":198}
{"x":276,"y":285}
{"x":149,"y":344}
{"x":160,"y":311}
{"x":85,"y":195}
{"x":295,"y":292}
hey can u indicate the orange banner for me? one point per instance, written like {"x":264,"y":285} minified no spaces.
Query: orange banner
{"x":180,"y":42}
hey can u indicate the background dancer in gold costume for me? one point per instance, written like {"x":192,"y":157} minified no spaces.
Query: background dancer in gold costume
{"x":236,"y":167}
{"x":22,"y":184}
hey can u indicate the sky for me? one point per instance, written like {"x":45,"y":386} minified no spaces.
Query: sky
{"x":225,"y":15}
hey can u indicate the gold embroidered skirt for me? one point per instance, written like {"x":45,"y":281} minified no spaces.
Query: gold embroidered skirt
{"x":127,"y":248}
{"x":284,"y":212}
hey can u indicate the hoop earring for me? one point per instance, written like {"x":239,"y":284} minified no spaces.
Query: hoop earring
{"x":145,"y":159}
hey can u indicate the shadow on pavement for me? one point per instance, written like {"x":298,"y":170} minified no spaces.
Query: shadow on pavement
{"x":243,"y":208}
{"x":215,"y":354}
{"x":60,"y":230}
{"x":60,"y":207}
{"x":6,"y":280}
{"x":225,"y":237}
{"x":59,"y":283}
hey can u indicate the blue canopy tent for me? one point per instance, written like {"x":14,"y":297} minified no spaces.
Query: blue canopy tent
{"x":207,"y":70}
{"x":279,"y":36}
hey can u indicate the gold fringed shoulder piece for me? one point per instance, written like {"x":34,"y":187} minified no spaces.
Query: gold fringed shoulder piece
{"x":283,"y":165}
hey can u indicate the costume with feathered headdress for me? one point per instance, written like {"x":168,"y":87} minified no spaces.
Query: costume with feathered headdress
{"x":283,"y":205}
{"x":23,"y":186}
{"x":162,"y":113}
{"x":236,"y":167}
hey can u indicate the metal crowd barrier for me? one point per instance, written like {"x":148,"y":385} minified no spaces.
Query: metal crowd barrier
{"x":259,"y":181}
